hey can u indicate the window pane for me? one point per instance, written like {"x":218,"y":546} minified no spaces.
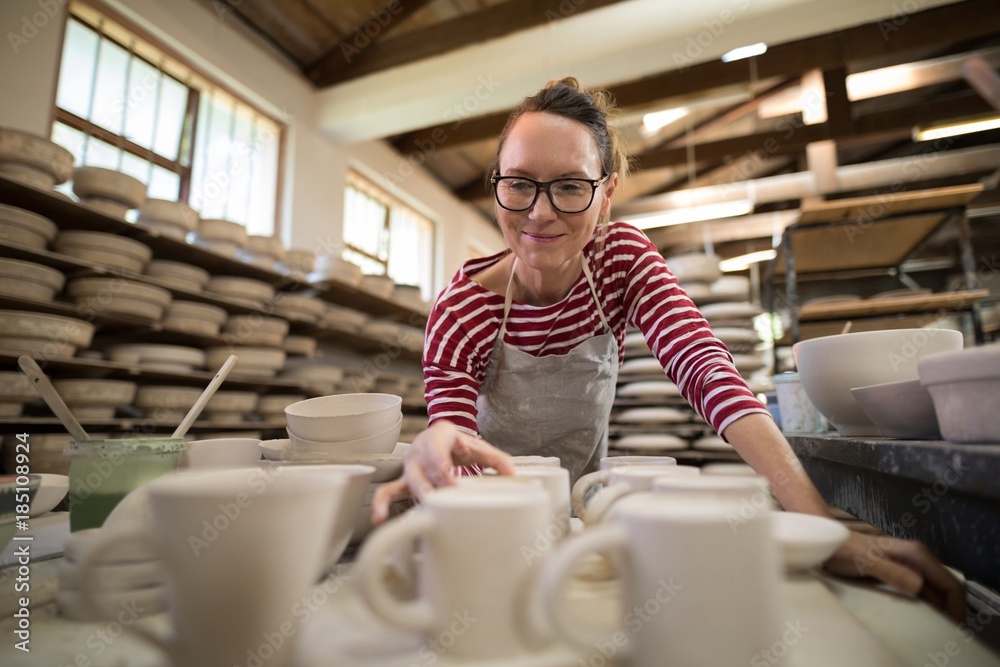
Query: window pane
{"x":170,"y":123}
{"x":135,"y":167}
{"x":77,"y":70}
{"x":364,"y":222}
{"x":101,"y":154}
{"x":164,"y":184}
{"x":265,"y":178}
{"x":140,"y":103}
{"x":240,"y":167}
{"x":411,"y":250}
{"x":109,"y":93}
{"x":210,"y":193}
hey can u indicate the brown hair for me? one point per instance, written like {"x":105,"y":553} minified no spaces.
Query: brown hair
{"x":564,"y":97}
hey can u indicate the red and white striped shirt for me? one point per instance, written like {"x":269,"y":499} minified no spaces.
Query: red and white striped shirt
{"x":635,"y":288}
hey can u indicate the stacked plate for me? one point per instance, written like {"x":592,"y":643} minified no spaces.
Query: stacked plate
{"x":171,"y":219}
{"x":95,"y":399}
{"x":318,"y":376}
{"x":298,"y":263}
{"x":264,"y":252}
{"x":231,"y":407}
{"x":119,"y":296}
{"x":193,"y":317}
{"x":245,"y":291}
{"x":109,"y":250}
{"x":33,"y":160}
{"x":222,"y":237}
{"x":300,"y":346}
{"x":16,"y":391}
{"x":28,"y":280}
{"x":178,"y":275}
{"x":43,"y":335}
{"x":110,"y":192}
{"x":255,"y":362}
{"x":255,"y":329}
{"x":165,"y":404}
{"x":271,"y":407}
{"x":378,"y":285}
{"x":299,"y":308}
{"x":169,"y":358}
{"x":20,"y":227}
{"x":329,"y":268}
{"x":345,"y":319}
{"x":127,"y":576}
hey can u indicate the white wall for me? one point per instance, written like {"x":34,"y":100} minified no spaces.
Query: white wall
{"x":315,"y":165}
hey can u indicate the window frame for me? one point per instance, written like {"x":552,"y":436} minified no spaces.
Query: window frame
{"x":196,"y":84}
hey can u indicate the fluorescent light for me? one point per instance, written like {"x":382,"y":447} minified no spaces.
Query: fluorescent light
{"x":979,"y":124}
{"x":743,"y":262}
{"x":680,"y":216}
{"x":744,"y":52}
{"x":658,"y":120}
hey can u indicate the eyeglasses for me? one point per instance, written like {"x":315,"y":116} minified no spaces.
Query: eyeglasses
{"x":568,"y":195}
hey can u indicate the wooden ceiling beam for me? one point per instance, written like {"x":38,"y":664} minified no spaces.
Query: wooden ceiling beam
{"x":890,"y":37}
{"x":360,"y":54}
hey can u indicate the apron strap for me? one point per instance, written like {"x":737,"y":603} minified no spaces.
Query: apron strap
{"x":509,"y":296}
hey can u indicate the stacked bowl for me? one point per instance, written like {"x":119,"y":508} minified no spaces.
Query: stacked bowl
{"x":27,"y":280}
{"x":171,"y":219}
{"x":110,"y":192}
{"x":345,"y":424}
{"x":111,"y":250}
{"x":222,"y":237}
{"x":264,"y":252}
{"x":25,"y":228}
{"x":33,"y":160}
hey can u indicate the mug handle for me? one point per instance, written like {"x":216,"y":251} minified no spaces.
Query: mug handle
{"x":603,"y":501}
{"x":583,"y":486}
{"x":417,"y":614}
{"x":607,"y":537}
{"x":103,"y":541}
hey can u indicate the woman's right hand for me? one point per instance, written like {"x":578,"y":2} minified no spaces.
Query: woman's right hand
{"x":429,"y":461}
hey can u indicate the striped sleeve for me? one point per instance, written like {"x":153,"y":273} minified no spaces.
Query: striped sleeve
{"x":457,"y":345}
{"x":698,"y":363}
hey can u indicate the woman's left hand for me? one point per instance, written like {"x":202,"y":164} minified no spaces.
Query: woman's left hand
{"x":905,"y":565}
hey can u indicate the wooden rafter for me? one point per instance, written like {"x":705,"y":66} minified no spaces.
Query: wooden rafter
{"x":490,"y":23}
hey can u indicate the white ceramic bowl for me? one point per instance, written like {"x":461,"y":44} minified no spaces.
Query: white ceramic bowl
{"x":899,"y":409}
{"x":378,"y":443}
{"x":343,"y":417}
{"x":831,"y":366}
{"x":51,"y":492}
{"x":221,"y":453}
{"x":964,"y":386}
{"x":807,"y":541}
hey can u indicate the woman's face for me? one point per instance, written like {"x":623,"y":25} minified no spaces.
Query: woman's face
{"x":543,"y":147}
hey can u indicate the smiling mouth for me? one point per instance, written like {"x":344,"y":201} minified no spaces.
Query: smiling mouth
{"x":542,"y":238}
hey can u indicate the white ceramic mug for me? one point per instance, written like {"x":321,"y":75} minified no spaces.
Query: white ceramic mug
{"x":527,"y":461}
{"x":555,"y":481}
{"x":590,"y":480}
{"x":623,"y":480}
{"x":697,"y":592}
{"x":475,"y":575}
{"x":239,"y":548}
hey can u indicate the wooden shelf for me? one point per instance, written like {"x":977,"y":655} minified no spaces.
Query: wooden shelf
{"x":888,"y":204}
{"x":921,"y":303}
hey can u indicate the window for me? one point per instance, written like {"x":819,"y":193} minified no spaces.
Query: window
{"x":124,"y":104}
{"x":384,"y":236}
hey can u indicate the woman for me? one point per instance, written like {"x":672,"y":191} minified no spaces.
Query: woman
{"x":523,"y":347}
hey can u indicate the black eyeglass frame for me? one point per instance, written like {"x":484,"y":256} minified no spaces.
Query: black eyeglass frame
{"x":545,"y":185}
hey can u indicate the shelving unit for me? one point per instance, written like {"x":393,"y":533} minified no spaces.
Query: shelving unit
{"x":114,"y":327}
{"x":870,"y":236}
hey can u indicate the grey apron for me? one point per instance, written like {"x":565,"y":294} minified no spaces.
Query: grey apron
{"x":556,"y":405}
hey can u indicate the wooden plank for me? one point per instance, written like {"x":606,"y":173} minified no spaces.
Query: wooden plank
{"x":906,"y":305}
{"x":291,"y":25}
{"x":860,"y":244}
{"x":490,"y":23}
{"x":891,"y":203}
